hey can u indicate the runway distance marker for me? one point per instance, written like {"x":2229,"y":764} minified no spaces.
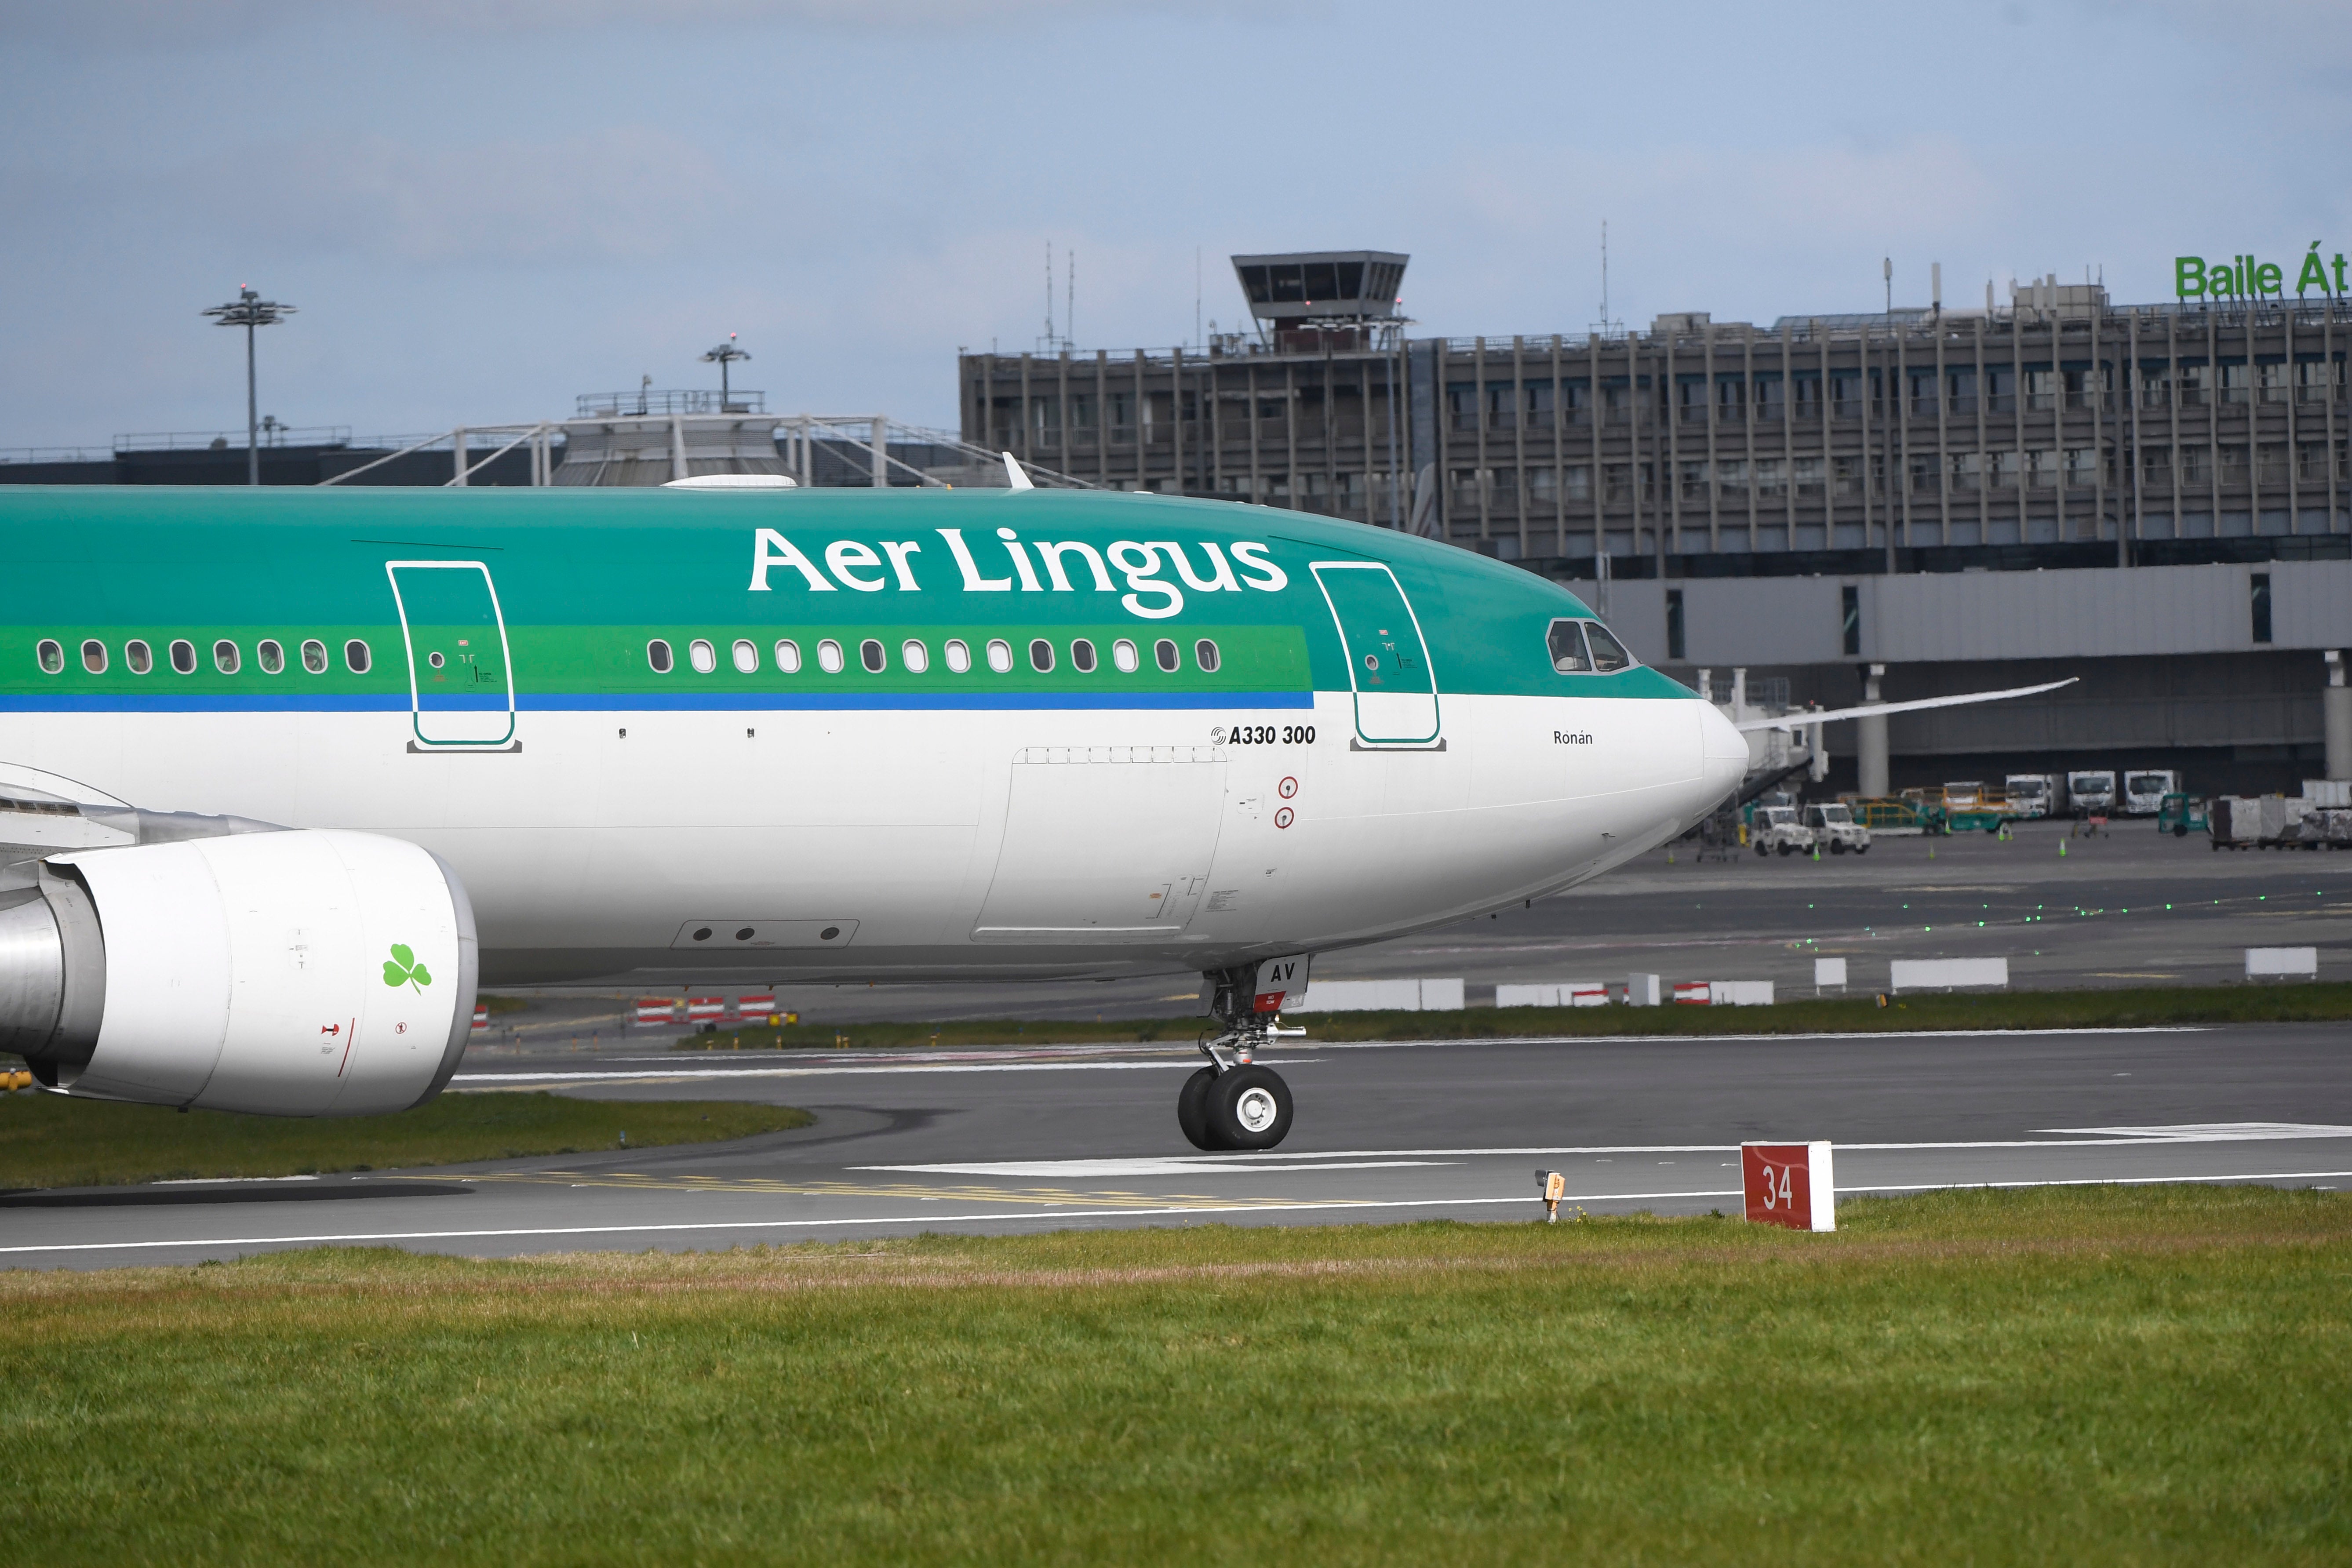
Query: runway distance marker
{"x":1790,"y":1184}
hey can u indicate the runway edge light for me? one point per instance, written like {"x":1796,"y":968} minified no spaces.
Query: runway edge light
{"x":1791,"y":1184}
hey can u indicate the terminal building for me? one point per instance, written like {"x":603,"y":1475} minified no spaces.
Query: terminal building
{"x":2155,"y":499}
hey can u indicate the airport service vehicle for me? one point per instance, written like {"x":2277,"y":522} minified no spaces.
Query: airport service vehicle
{"x":1832,"y":823}
{"x":2033,"y":794}
{"x":1964,"y":794}
{"x":1775,"y":829}
{"x":1890,"y":815}
{"x":284,"y":774}
{"x":2181,"y":814}
{"x":2145,"y":789}
{"x":2090,"y":792}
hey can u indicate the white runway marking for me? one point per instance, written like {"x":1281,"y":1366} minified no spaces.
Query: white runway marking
{"x":370,"y":1237}
{"x":1152,"y":1165}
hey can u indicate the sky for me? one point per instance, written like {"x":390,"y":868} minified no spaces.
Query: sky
{"x":484,"y":208}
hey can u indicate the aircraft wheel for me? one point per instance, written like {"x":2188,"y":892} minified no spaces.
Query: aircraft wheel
{"x":1249,"y":1108}
{"x":1192,"y":1108}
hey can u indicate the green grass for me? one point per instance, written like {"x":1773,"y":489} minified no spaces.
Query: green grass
{"x":48,"y":1140}
{"x":2330,"y":1001}
{"x":2096,"y":1375}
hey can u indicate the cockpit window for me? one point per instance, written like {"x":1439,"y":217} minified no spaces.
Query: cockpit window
{"x":1608,"y":653}
{"x":1567,"y":655}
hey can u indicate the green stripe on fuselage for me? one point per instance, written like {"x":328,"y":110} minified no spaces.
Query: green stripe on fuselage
{"x":585,"y":578}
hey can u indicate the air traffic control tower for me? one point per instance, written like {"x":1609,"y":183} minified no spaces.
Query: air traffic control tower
{"x":1307,"y":301}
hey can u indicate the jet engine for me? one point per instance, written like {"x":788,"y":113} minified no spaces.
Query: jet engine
{"x":308,"y":972}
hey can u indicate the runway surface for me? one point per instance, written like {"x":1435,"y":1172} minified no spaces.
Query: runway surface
{"x":1003,"y":1141}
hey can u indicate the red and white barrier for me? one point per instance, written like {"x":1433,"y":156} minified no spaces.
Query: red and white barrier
{"x":758,"y":1006}
{"x":1792,"y":1184}
{"x":1725,"y":993}
{"x":481,"y":1018}
{"x":705,"y":1009}
{"x":657,"y":1010}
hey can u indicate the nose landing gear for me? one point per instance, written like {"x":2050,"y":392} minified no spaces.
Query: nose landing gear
{"x":1233,"y":1103}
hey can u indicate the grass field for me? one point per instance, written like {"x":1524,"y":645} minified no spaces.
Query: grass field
{"x":1838,"y":1015}
{"x":48,"y":1140}
{"x":2097,"y":1375}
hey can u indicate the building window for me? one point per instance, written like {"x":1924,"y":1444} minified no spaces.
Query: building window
{"x":1807,"y":395}
{"x":2270,"y":383}
{"x":2311,"y":463}
{"x":2233,"y":382}
{"x":1694,"y":487}
{"x":1807,"y":473}
{"x":2262,"y":606}
{"x":2196,"y":465}
{"x":2040,"y":469}
{"x":1617,"y":482}
{"x":1732,"y":472}
{"x":1579,"y":476}
{"x":1771,"y":401}
{"x":1967,"y":472}
{"x":2041,"y":389}
{"x":2000,"y":470}
{"x":1543,"y":487}
{"x":1846,"y":394}
{"x":2270,"y":463}
{"x":1847,"y":484}
{"x":1850,"y":608}
{"x":1770,"y":484}
{"x":1926,"y":480}
{"x":2081,"y":467}
{"x":1082,"y":411}
{"x":1507,"y":489}
{"x":1466,"y":489}
{"x":2233,"y":468}
{"x":2000,"y":390}
{"x":2194,"y":383}
{"x":1961,"y":390}
{"x":1461,"y":404}
{"x":1675,"y":624}
{"x":2155,"y":467}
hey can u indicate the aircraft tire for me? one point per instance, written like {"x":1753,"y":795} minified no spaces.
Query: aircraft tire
{"x":1249,"y":1108}
{"x":1193,"y":1109}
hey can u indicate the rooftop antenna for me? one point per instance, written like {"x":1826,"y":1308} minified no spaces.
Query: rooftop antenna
{"x":1605,"y":326}
{"x":1887,"y":267}
{"x":250,"y":310}
{"x":1049,"y":294}
{"x":1196,"y":298}
{"x":724,"y":355}
{"x":1070,"y":301}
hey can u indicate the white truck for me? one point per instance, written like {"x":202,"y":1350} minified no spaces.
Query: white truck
{"x":1832,"y":823}
{"x":2090,"y":792}
{"x":2145,"y":789}
{"x":1776,"y":828}
{"x":2034,"y":794}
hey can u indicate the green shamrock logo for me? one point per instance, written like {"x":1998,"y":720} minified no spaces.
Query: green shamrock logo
{"x":402,"y":968}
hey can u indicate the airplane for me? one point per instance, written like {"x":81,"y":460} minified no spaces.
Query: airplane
{"x":287,"y":775}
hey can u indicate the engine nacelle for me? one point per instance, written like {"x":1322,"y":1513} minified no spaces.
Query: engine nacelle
{"x":309,"y":973}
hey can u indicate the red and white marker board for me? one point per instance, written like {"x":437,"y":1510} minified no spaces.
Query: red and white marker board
{"x":756,"y":1007}
{"x":1789,"y":1183}
{"x":481,"y":1017}
{"x":657,"y":1010}
{"x":705,"y":1009}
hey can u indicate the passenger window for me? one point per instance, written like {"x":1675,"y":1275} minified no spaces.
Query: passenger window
{"x":788,"y":657}
{"x":314,"y":657}
{"x":1041,"y":656}
{"x":1082,"y":654}
{"x":1204,"y":654}
{"x":914,"y":656}
{"x":657,"y":654}
{"x":225,"y":657}
{"x":828,"y":657}
{"x":1164,"y":653}
{"x":870,"y":654}
{"x":139,"y":657}
{"x":702,"y":656}
{"x":1123,"y":654}
{"x":52,"y":655}
{"x":184,"y":656}
{"x":1567,"y":642}
{"x":93,"y":657}
{"x":747,"y":657}
{"x":1608,"y":653}
{"x":356,"y":657}
{"x":272,"y":657}
{"x":1000,"y":654}
{"x":958,"y":655}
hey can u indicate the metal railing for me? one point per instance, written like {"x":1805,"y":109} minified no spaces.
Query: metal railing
{"x":233,"y":440}
{"x":648,"y":402}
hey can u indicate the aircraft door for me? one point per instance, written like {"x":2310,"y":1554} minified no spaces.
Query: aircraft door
{"x":1110,"y":842}
{"x":1388,"y":663}
{"x":460,"y":678}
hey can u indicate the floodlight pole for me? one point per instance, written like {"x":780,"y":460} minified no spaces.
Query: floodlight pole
{"x":250,"y":310}
{"x":724,"y":355}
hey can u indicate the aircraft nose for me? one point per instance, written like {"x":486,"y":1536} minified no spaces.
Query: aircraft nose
{"x":1724,"y":758}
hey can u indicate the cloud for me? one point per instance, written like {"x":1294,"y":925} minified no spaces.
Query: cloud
{"x":629,"y":194}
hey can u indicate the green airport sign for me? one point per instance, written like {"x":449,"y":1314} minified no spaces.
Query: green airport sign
{"x":2247,"y":277}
